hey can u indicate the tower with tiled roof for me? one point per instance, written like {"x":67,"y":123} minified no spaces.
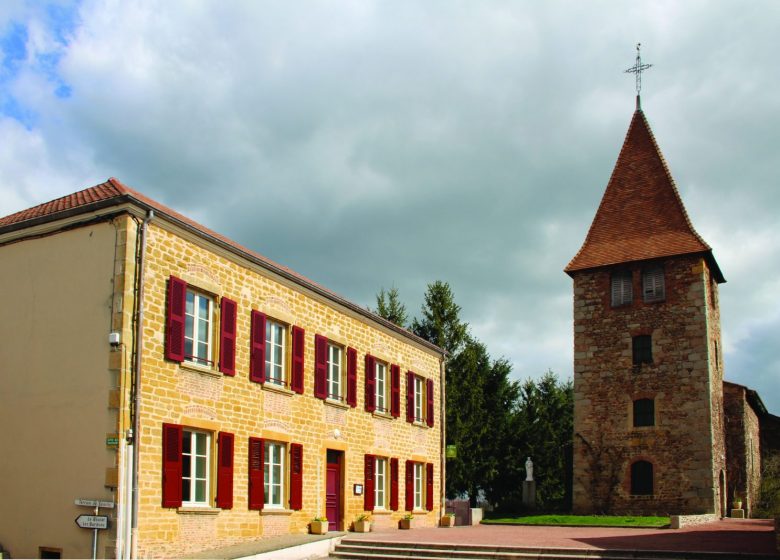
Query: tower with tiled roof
{"x":648,"y":413}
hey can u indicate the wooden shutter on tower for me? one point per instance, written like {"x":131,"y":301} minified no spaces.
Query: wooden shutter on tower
{"x":395,"y":390}
{"x":257,"y":347}
{"x":171,"y":468}
{"x":225,"y":471}
{"x":320,"y":366}
{"x":227,"y":337}
{"x":298,"y":347}
{"x":370,"y":383}
{"x":352,"y":377}
{"x":368,"y":482}
{"x":394,"y":484}
{"x":256,"y":479}
{"x":429,"y":402}
{"x":409,"y":485}
{"x":409,"y":396}
{"x":174,"y":320}
{"x":296,"y":476}
{"x":429,"y":486}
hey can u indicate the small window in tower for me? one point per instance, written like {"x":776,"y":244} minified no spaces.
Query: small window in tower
{"x":644,"y":413}
{"x":642,"y":478}
{"x":642,"y":349}
{"x":622,"y":293}
{"x":653,"y":284}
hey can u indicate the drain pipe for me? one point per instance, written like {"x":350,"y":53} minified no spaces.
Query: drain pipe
{"x":443,"y":415}
{"x":136,"y":429}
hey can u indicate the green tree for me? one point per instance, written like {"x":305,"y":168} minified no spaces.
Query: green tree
{"x":440,"y":322}
{"x":389,"y":306}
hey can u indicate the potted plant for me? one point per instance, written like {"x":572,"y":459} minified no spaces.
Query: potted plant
{"x":406,"y":521}
{"x":319,"y":526}
{"x":362,"y":523}
{"x":737,"y":502}
{"x":447,"y":520}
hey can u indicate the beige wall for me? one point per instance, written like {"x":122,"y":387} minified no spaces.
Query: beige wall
{"x":55,"y":303}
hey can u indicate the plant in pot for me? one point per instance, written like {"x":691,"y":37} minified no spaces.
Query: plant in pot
{"x":737,"y":502}
{"x":406,"y":521}
{"x":447,"y":520}
{"x":318,"y":526}
{"x":362,"y":523}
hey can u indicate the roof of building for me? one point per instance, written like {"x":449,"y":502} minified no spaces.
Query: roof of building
{"x":114,"y":193}
{"x":641,"y":215}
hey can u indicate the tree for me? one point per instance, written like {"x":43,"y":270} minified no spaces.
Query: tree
{"x":389,"y":306}
{"x":440,"y":322}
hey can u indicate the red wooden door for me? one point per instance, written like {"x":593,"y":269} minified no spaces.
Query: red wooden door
{"x":333,"y":491}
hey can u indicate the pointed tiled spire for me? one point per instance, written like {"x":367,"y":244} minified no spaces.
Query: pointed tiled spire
{"x":641,"y":215}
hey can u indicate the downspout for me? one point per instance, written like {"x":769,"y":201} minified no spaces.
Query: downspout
{"x":443,"y":416}
{"x":136,"y":391}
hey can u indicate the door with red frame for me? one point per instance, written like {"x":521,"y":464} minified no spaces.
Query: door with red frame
{"x":333,"y":490}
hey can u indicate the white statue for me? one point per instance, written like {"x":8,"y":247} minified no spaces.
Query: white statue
{"x":529,"y":470}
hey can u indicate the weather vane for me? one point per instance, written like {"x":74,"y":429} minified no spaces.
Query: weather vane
{"x":637,"y":69}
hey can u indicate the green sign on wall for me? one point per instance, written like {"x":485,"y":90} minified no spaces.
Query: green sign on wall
{"x":451,"y":451}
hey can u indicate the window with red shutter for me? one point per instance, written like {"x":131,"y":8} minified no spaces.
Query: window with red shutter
{"x":429,"y":486}
{"x":395,"y":391}
{"x":370,"y":383}
{"x":225,"y":471}
{"x":409,"y":485}
{"x":394,"y":484}
{"x":175,"y":318}
{"x":320,"y":366}
{"x":296,"y":476}
{"x":227,"y":337}
{"x":256,"y":461}
{"x":171,"y":468}
{"x":298,"y":344}
{"x":429,"y":402}
{"x":368,"y":482}
{"x":352,"y":377}
{"x":257,"y":347}
{"x":409,"y":396}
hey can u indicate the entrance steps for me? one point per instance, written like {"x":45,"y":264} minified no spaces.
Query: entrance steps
{"x":380,"y":550}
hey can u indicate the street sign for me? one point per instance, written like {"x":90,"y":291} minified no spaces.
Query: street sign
{"x":92,"y":521}
{"x":94,"y":503}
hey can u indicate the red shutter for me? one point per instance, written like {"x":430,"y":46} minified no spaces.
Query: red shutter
{"x":227,"y":337}
{"x":395,"y":391}
{"x":429,"y":402}
{"x":320,"y":366}
{"x":429,"y":486}
{"x":352,"y":377}
{"x":409,"y":485}
{"x":174,"y":321}
{"x":394,"y":484}
{"x":257,"y":347}
{"x":256,"y":466}
{"x":225,"y":471}
{"x":296,"y":476}
{"x":409,"y":396}
{"x":171,"y":468}
{"x":370,"y":383}
{"x":368,"y":482}
{"x":298,"y":345}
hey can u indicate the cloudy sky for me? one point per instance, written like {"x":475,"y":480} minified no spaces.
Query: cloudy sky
{"x":393,"y":143}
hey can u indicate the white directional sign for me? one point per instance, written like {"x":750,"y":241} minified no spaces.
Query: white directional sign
{"x":92,"y":521}
{"x":94,"y":503}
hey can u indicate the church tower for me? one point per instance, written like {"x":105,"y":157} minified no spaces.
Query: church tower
{"x":648,"y":377}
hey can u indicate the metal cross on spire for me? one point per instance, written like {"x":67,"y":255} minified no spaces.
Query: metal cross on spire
{"x":637,"y":69}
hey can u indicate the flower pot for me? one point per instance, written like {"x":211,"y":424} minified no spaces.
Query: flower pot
{"x":318,"y":527}
{"x":405,"y":523}
{"x":447,"y":521}
{"x":736,"y":504}
{"x":363,"y":526}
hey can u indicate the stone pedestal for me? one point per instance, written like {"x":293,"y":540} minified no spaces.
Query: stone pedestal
{"x":738,"y":513}
{"x":529,"y":494}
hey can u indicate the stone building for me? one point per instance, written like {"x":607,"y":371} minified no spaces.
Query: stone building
{"x":649,"y":418}
{"x":211,"y":395}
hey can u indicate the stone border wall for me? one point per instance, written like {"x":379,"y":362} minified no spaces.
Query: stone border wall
{"x":680,"y":521}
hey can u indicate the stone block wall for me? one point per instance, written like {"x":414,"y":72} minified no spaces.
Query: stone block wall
{"x":743,"y":447}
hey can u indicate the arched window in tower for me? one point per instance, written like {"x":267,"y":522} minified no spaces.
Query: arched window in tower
{"x":644,"y":413}
{"x":642,"y":478}
{"x":653,"y":284}
{"x":622,"y":293}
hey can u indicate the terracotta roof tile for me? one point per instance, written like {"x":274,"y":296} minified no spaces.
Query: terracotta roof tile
{"x":641,"y":215}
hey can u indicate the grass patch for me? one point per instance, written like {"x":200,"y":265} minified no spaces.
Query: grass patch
{"x":581,"y":520}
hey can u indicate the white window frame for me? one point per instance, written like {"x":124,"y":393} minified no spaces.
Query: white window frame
{"x":192,"y":333}
{"x":621,"y":288}
{"x":419,"y":485}
{"x":380,"y":483}
{"x":274,"y":455}
{"x":653,"y":284}
{"x":275,"y":337}
{"x":335,"y":382}
{"x":419,"y":399}
{"x":192,"y":500}
{"x":381,"y":385}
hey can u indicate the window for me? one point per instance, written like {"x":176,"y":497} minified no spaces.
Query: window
{"x":642,"y":478}
{"x":275,"y":352}
{"x":644,"y":413}
{"x":195,"y":467}
{"x":273,"y":474}
{"x":198,"y":321}
{"x":653,"y":284}
{"x":418,"y":399}
{"x":381,"y":387}
{"x":418,"y":485}
{"x":622,"y":292}
{"x":333,"y":378}
{"x":642,"y":349}
{"x":380,"y":483}
{"x":335,"y":359}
